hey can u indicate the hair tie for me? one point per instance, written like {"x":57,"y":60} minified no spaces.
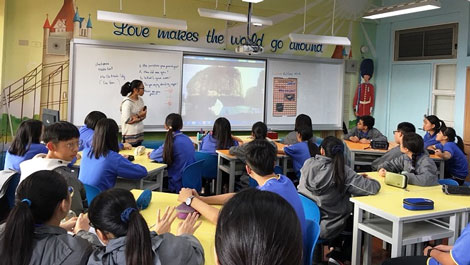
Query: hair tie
{"x":125,"y":215}
{"x":337,"y":149}
{"x":28,"y":201}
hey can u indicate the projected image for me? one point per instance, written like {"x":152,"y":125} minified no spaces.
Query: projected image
{"x":215,"y":87}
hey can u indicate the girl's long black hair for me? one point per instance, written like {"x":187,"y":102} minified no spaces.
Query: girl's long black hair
{"x":174,"y":122}
{"x":334,"y":149}
{"x":29,"y":132}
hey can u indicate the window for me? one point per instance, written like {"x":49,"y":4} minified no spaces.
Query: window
{"x":443,"y":94}
{"x":436,"y":42}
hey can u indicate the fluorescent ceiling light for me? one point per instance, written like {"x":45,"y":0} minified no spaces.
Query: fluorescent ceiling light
{"x":164,"y":23}
{"x":211,"y":13}
{"x":319,"y":39}
{"x":402,"y":9}
{"x":256,"y":1}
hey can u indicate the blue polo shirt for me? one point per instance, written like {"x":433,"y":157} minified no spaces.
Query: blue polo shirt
{"x":86,"y":138}
{"x":457,"y":165}
{"x":430,"y":140}
{"x":286,"y":189}
{"x":299,"y":153}
{"x":209,"y":144}
{"x":459,"y":252}
{"x":102,"y":172}
{"x":183,"y":155}
{"x":13,"y":161}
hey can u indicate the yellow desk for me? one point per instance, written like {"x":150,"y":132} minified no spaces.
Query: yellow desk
{"x":384,"y":217}
{"x":156,"y":170}
{"x":205,"y":233}
{"x":358,"y":150}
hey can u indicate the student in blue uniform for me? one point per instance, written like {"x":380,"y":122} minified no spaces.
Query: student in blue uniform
{"x":456,"y":165}
{"x":25,"y":145}
{"x":220,"y":137}
{"x":102,"y":164}
{"x":413,"y":163}
{"x":177,"y":151}
{"x":127,"y":238}
{"x":431,"y":125}
{"x":365,"y":132}
{"x":441,"y":254}
{"x":302,"y":150}
{"x":246,"y":233}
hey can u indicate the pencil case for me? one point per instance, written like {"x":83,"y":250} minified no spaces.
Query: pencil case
{"x":418,"y":204}
{"x":396,"y":180}
{"x":183,"y":210}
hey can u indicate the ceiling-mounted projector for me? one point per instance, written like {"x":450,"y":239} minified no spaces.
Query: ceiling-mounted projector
{"x":249,"y":49}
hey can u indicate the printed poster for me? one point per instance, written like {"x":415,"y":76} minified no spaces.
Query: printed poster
{"x":284,"y":97}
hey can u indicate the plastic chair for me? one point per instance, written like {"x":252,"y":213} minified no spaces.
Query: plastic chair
{"x":277,"y":169}
{"x":313,"y":232}
{"x":91,"y":192}
{"x":152,"y":144}
{"x":192,"y":175}
{"x":449,"y":182}
{"x":209,"y":170}
{"x":311,"y":210}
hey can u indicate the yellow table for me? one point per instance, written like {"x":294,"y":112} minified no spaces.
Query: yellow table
{"x":383,"y":216}
{"x":153,"y":169}
{"x":360,"y":150}
{"x":205,"y":233}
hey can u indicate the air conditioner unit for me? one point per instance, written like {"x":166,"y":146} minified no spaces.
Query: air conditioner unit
{"x":56,"y":46}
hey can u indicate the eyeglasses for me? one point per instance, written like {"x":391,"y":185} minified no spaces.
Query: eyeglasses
{"x":72,"y":145}
{"x":395,"y":132}
{"x":70,"y":189}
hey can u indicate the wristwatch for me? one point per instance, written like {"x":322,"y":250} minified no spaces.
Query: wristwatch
{"x":189,"y":200}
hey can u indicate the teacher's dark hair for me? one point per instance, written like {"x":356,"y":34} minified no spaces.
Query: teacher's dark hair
{"x":29,"y":132}
{"x":105,"y":215}
{"x":250,"y":231}
{"x":173,"y":122}
{"x":45,"y":190}
{"x":105,"y":138}
{"x":129,"y":87}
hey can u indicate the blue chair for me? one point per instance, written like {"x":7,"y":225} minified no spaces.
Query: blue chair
{"x":449,"y":182}
{"x":209,"y":170}
{"x":192,"y":175}
{"x":311,"y":210}
{"x":313,"y":232}
{"x":152,"y":144}
{"x":466,"y":183}
{"x":277,"y":169}
{"x":91,"y":192}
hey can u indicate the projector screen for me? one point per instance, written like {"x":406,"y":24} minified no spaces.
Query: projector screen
{"x":222,"y":87}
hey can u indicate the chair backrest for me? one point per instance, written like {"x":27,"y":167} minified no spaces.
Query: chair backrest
{"x":311,"y":210}
{"x":192,"y":175}
{"x":91,"y":192}
{"x":277,"y":170}
{"x":449,"y":182}
{"x":209,"y":170}
{"x":313,"y":232}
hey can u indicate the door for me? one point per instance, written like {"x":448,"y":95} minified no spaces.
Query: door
{"x":409,"y":95}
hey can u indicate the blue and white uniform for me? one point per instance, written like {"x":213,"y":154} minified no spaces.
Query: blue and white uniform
{"x":102,"y":172}
{"x":13,"y":161}
{"x":459,"y":252}
{"x":299,"y":153}
{"x":183,"y":155}
{"x":430,"y":139}
{"x":209,"y":144}
{"x":457,"y":165}
{"x":284,"y":187}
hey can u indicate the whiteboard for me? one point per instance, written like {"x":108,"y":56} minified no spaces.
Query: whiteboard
{"x":312,"y":88}
{"x":99,"y":71}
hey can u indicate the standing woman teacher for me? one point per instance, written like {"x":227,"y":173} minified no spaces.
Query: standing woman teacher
{"x":133,"y":112}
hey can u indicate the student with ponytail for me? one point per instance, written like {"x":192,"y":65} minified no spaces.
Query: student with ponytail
{"x":177,"y":151}
{"x":456,"y":165}
{"x":220,"y":137}
{"x":330,"y":183}
{"x":302,"y":150}
{"x":25,"y":145}
{"x":431,"y":125}
{"x":133,"y":112}
{"x":414,"y":163}
{"x":128,"y":240}
{"x":33,"y":233}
